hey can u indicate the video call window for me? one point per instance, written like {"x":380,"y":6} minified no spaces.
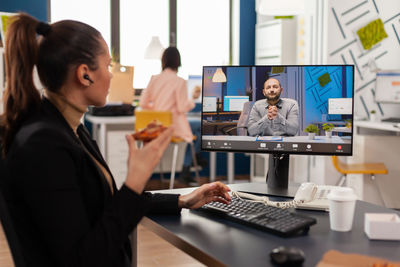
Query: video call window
{"x":275,"y":108}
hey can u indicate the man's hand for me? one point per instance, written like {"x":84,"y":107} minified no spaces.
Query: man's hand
{"x":272,"y":112}
{"x":206,"y":193}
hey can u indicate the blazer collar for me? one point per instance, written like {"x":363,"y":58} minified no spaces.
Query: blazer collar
{"x":50,"y":111}
{"x":55,"y":115}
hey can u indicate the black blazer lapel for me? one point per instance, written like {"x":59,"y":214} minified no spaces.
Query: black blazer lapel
{"x":92,"y":147}
{"x":84,"y":139}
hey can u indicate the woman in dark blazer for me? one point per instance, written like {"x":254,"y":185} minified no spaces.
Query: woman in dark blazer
{"x":60,"y":193}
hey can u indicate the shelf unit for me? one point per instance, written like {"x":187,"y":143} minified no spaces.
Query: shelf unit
{"x":276,"y":42}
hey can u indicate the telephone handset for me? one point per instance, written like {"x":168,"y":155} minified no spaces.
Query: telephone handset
{"x":308,"y":196}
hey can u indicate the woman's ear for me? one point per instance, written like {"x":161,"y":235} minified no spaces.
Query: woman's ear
{"x":82,"y":75}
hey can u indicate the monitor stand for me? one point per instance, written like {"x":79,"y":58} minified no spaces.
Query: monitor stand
{"x":277,"y":180}
{"x":278,"y":172}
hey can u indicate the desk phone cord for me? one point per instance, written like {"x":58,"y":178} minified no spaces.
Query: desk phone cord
{"x":265,"y":200}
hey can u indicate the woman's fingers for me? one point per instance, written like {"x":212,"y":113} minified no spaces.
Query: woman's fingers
{"x":218,"y":189}
{"x":131,"y":142}
{"x":162,"y":141}
{"x":222,"y":190}
{"x":220,"y":199}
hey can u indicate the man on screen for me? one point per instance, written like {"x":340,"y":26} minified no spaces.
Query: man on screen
{"x":274,"y":115}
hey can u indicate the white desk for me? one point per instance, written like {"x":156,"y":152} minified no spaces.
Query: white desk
{"x":380,"y":126}
{"x":102,"y":124}
{"x":342,"y":130}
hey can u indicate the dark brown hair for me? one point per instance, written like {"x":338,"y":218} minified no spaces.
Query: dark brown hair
{"x":171,"y":58}
{"x":64,"y":45}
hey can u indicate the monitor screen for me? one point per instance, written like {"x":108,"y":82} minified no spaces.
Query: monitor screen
{"x":192,"y":82}
{"x":276,"y":109}
{"x":387,"y":86}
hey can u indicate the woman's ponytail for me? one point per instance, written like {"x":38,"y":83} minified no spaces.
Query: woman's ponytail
{"x":21,"y":96}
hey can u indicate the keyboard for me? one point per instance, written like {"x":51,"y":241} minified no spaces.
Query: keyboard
{"x":257,"y":215}
{"x":393,"y":120}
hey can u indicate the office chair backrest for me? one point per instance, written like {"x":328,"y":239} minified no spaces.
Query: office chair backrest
{"x":144,"y":117}
{"x":5,"y":221}
{"x":336,"y":164}
{"x":10,"y":235}
{"x":244,"y":118}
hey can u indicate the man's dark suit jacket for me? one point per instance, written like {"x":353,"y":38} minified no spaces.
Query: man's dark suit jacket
{"x":60,"y":202}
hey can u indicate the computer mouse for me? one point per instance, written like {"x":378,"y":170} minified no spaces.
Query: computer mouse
{"x":287,"y":256}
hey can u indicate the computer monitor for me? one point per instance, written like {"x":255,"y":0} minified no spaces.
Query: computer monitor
{"x":279,"y":106}
{"x":387,"y":86}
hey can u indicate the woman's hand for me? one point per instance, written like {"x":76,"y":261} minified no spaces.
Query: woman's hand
{"x":206,"y":193}
{"x":196,"y":92}
{"x":141,"y":162}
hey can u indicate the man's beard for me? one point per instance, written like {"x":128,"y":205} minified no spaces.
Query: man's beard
{"x":273,"y":98}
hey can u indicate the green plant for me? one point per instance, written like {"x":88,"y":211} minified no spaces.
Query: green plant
{"x":372,"y":111}
{"x":327,"y":127}
{"x":311,"y":128}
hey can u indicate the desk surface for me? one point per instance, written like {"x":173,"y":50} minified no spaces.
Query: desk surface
{"x":110,"y":119}
{"x":126,"y":119}
{"x":217,"y":242}
{"x":384,"y":126}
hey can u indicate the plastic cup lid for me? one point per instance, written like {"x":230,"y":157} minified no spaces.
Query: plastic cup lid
{"x":342,"y":194}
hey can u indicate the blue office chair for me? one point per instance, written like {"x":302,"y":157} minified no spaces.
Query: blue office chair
{"x":241,"y":128}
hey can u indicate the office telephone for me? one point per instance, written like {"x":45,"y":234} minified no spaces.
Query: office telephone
{"x":308,"y":196}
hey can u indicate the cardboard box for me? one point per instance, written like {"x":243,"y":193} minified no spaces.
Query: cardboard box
{"x":121,"y":87}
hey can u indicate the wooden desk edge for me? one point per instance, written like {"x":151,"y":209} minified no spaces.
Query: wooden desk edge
{"x":180,"y":243}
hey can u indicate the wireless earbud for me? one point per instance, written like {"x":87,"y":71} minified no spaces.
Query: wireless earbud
{"x":86,"y":77}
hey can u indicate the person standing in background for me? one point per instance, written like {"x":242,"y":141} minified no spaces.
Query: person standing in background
{"x":168,"y":92}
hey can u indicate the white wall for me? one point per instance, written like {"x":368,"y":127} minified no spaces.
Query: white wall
{"x":344,"y":18}
{"x":344,"y":47}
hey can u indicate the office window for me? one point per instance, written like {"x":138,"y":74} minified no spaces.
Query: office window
{"x":139,"y":21}
{"x":96,"y":13}
{"x":203,"y":34}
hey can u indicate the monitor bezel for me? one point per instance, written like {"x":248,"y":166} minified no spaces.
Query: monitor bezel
{"x":311,"y":153}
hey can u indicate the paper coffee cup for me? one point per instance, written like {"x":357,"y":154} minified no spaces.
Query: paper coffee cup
{"x":342,"y":202}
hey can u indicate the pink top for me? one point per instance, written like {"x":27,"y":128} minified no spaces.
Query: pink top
{"x":167,"y":91}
